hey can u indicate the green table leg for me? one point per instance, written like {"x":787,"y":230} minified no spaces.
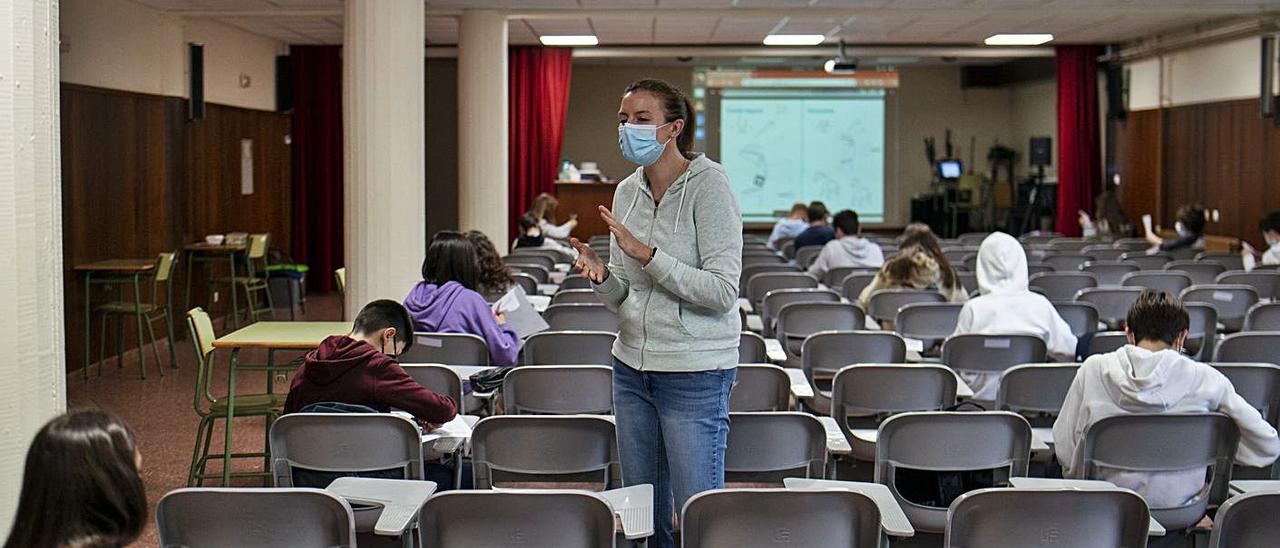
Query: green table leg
{"x":235,"y":305}
{"x":231,"y":416}
{"x":119,"y":327}
{"x":137,"y":302}
{"x":191,"y":265}
{"x":88,"y":319}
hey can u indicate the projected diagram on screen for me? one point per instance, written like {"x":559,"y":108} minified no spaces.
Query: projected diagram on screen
{"x":777,"y":151}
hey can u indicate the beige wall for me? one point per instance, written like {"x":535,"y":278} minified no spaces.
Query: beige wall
{"x":1219,"y":72}
{"x":118,"y":44}
{"x":1035,"y":114}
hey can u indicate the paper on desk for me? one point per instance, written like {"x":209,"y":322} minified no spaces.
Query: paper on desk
{"x":914,"y":345}
{"x":456,"y":428}
{"x":521,"y":315}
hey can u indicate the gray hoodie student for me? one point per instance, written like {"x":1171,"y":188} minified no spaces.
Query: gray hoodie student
{"x":678,"y":313}
{"x":848,"y":249}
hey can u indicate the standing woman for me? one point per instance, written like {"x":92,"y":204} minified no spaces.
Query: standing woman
{"x":672,"y":278}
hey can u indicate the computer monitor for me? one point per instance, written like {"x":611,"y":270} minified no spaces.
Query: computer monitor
{"x":950,"y":169}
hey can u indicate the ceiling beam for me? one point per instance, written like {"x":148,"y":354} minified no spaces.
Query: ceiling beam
{"x":961,"y":52}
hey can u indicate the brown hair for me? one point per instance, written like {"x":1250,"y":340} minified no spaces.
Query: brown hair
{"x":544,"y":207}
{"x":1157,"y":316}
{"x":920,"y":236}
{"x":451,"y":257}
{"x":675,"y":106}
{"x":1192,"y":217}
{"x":495,"y":277}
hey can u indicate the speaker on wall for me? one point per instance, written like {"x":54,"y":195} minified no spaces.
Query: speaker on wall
{"x":1117,"y":100}
{"x":1267,"y":92}
{"x":1041,"y":151}
{"x":195,"y":81}
{"x":284,"y":83}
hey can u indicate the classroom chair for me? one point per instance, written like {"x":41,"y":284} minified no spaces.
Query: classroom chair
{"x":750,"y":270}
{"x":253,"y":282}
{"x":564,"y":519}
{"x":762,"y":257}
{"x":1230,"y":301}
{"x":956,"y":255}
{"x":1247,"y":521}
{"x":1068,"y":245}
{"x":824,"y":353}
{"x":567,"y":451}
{"x":1262,"y":316}
{"x":1229,"y":260}
{"x":553,"y":255}
{"x":788,"y":247}
{"x":883,"y":305}
{"x":852,"y":285}
{"x":581,"y":317}
{"x":972,"y":239}
{"x":752,"y":349}
{"x":805,"y":256}
{"x":1201,"y":273}
{"x":796,"y":321}
{"x":835,"y":275}
{"x":526,"y":281}
{"x":1034,"y":267}
{"x":1103,"y":252}
{"x":970,"y":261}
{"x":211,"y":409}
{"x":558,"y":390}
{"x":930,"y":323}
{"x":527,"y":259}
{"x":863,"y":395}
{"x":1105,"y":342}
{"x":1265,"y":282}
{"x":145,"y":313}
{"x":761,"y":284}
{"x":447,"y":349}
{"x":764,"y":448}
{"x":760,"y":387}
{"x":949,"y":442}
{"x":760,"y":517}
{"x":575,"y":281}
{"x":968,"y":280}
{"x":1203,"y":332}
{"x":1164,"y":442}
{"x":1036,"y":390}
{"x":1147,"y":261}
{"x":773,"y":301}
{"x":991,"y":353}
{"x":1062,"y":286}
{"x":1067,"y":262}
{"x":1109,"y":273}
{"x":1063,"y":518}
{"x":1081,"y":316}
{"x":1258,"y":384}
{"x":254,"y":518}
{"x":1169,"y":281}
{"x":1113,"y":303}
{"x":1249,"y":347}
{"x":569,"y":348}
{"x":1131,"y":244}
{"x":540,"y":274}
{"x":437,"y":378}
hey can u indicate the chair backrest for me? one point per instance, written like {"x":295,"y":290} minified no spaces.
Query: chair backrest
{"x":826,"y":352}
{"x":340,"y":280}
{"x":928,"y":322}
{"x":1113,"y":303}
{"x":437,"y":378}
{"x":254,"y":518}
{"x":749,"y":270}
{"x":1131,"y":244}
{"x":1247,"y":521}
{"x":1063,"y":286}
{"x":342,"y":443}
{"x":1265,"y":282}
{"x":530,"y":259}
{"x":1106,"y":341}
{"x":852,"y":285}
{"x":258,"y":247}
{"x":571,"y":450}
{"x":447,"y":348}
{"x":581,"y":317}
{"x":970,"y":261}
{"x":202,"y":338}
{"x":575,"y":281}
{"x":1068,"y":245}
{"x":835,"y":275}
{"x":575,"y":296}
{"x":538,"y":272}
{"x":752,"y":349}
{"x":1263,"y":316}
{"x":968,"y":280}
{"x":972,"y":238}
{"x":776,"y":299}
{"x":991,"y":352}
{"x":760,"y":387}
{"x":796,"y":321}
{"x":565,"y":519}
{"x":1103,"y":252}
{"x":766,"y":447}
{"x":806,"y":255}
{"x":761,"y":284}
{"x":552,"y":254}
{"x":865,"y":394}
{"x":165,"y":264}
{"x":1147,"y":261}
{"x":558,"y":390}
{"x":569,"y":348}
{"x":1067,"y":262}
{"x":1231,"y":301}
{"x":1081,"y":316}
{"x":1163,"y":443}
{"x":885,"y":303}
{"x":1249,"y":347}
{"x":1228,"y":260}
{"x":762,"y":257}
{"x":1201,"y":272}
{"x":1038,"y":517}
{"x":526,"y":281}
{"x":1257,"y":383}
{"x":1203,"y":331}
{"x":1035,"y":387}
{"x":1169,"y":281}
{"x":760,"y":517}
{"x":788,"y":248}
{"x":1109,"y":273}
{"x":953,"y":442}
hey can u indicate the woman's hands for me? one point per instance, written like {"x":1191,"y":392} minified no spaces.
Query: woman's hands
{"x":629,"y":244}
{"x":588,"y":263}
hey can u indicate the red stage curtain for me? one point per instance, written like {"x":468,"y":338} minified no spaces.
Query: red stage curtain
{"x":317,"y":161}
{"x":539,"y":98}
{"x":1079,"y":154}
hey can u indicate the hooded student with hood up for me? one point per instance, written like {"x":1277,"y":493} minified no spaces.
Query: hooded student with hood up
{"x":1006,"y":305}
{"x":1150,"y":375}
{"x":848,"y":249}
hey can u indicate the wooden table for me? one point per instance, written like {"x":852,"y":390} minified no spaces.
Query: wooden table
{"x":271,"y":336}
{"x":115,"y":272}
{"x":204,"y":252}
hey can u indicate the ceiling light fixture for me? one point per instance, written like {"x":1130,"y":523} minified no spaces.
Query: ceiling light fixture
{"x":571,"y":40}
{"x":793,"y":39}
{"x":1018,"y":39}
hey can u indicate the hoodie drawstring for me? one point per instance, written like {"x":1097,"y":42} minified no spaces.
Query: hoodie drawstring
{"x":684,"y":189}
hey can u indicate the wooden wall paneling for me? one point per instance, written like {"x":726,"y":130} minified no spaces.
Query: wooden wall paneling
{"x":1138,"y":162}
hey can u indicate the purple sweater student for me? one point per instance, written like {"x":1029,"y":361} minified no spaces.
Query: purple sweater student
{"x":452,"y":308}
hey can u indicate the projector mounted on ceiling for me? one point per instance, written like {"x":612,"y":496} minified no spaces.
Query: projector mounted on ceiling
{"x":841,"y":64}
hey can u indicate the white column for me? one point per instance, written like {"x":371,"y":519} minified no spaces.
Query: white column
{"x":482,"y":124}
{"x":385,"y":174}
{"x":33,"y":373}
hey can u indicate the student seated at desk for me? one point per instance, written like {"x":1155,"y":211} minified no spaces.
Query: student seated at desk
{"x":848,"y":249}
{"x":532,"y":237}
{"x":791,"y":225}
{"x":544,"y":212}
{"x":1190,"y":229}
{"x":1270,"y":228}
{"x":1007,"y":305}
{"x":446,"y":301}
{"x":495,"y":277}
{"x":819,"y":232}
{"x":1150,"y":375}
{"x":360,"y":369}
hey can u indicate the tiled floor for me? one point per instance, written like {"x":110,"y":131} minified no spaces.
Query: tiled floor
{"x":160,"y":408}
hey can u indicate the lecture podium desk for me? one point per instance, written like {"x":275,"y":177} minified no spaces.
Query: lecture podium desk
{"x":117,"y":272}
{"x":271,"y":336}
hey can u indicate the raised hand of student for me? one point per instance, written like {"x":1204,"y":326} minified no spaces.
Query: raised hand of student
{"x":588,"y":263}
{"x":629,"y":244}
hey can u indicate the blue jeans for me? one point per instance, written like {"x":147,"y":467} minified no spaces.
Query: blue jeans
{"x":672,"y":431}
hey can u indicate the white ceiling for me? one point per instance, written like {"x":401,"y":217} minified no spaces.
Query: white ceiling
{"x":684,"y":22}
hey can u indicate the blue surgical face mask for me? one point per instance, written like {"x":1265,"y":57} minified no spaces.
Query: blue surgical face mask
{"x":639,"y":143}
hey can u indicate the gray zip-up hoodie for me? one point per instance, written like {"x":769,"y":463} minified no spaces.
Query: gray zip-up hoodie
{"x":679,"y":313}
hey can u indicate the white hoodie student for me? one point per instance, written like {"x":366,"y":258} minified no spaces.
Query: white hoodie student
{"x":1137,"y":380}
{"x":847,"y":249}
{"x":1006,"y":305}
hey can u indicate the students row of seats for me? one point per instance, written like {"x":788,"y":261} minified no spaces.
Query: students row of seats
{"x":546,"y":348}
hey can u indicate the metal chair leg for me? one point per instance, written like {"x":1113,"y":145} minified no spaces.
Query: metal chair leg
{"x":168,"y":322}
{"x":155,"y":347}
{"x":196,"y":456}
{"x":102,"y":342}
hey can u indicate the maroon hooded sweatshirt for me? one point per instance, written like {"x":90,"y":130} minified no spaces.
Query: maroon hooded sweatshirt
{"x":347,"y":370}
